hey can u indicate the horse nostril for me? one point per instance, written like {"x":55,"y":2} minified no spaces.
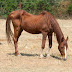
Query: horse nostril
{"x":64,"y":59}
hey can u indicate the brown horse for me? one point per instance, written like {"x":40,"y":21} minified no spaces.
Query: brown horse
{"x":43,"y":23}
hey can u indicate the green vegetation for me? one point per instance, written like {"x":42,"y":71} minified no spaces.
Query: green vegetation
{"x":58,"y":8}
{"x":69,"y":10}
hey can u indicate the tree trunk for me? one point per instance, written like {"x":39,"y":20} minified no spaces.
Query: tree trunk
{"x":20,"y":4}
{"x":1,"y":9}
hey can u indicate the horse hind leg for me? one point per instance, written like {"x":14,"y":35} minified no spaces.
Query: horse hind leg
{"x":17,"y":33}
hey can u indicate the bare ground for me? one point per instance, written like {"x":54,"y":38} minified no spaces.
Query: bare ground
{"x":29,"y":48}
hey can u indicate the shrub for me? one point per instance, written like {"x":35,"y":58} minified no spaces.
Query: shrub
{"x":69,"y":9}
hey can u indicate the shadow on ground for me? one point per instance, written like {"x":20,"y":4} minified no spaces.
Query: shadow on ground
{"x":0,"y":43}
{"x":24,"y":54}
{"x":33,"y":55}
{"x":56,"y":57}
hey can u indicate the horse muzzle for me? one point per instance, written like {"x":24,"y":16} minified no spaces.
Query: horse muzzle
{"x":64,"y":58}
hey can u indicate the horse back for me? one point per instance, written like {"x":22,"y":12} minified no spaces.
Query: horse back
{"x":34,"y":23}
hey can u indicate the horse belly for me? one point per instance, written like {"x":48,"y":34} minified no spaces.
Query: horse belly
{"x":31,"y":29}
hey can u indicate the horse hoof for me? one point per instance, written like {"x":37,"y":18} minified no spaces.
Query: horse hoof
{"x":41,"y":57}
{"x":17,"y":54}
{"x":47,"y":55}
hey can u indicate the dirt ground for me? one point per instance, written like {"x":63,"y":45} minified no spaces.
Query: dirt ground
{"x":29,"y":48}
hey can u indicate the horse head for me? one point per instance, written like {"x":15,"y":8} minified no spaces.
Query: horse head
{"x":63,"y":47}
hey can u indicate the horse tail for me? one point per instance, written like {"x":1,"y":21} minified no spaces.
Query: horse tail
{"x":9,"y":33}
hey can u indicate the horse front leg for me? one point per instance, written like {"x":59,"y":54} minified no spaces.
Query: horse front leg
{"x":50,"y":44}
{"x":43,"y":43}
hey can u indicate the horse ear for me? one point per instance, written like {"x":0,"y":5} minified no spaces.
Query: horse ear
{"x":67,"y":38}
{"x":62,"y":39}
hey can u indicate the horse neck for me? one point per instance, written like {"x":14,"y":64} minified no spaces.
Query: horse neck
{"x":57,"y":31}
